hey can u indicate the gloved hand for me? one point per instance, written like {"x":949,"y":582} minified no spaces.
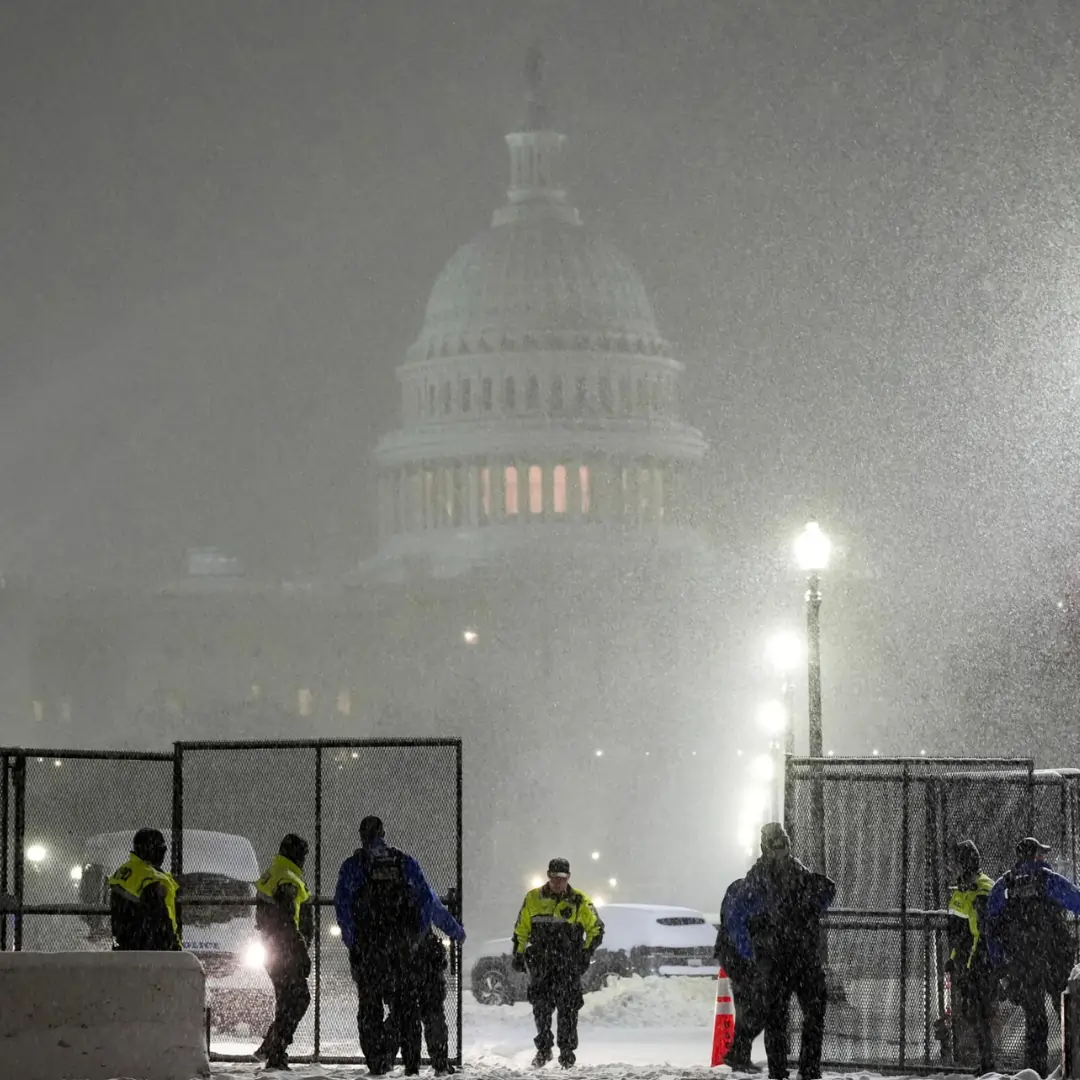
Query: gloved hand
{"x":517,"y":962}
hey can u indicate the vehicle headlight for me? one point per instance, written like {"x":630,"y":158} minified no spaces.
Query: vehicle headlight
{"x":255,"y":957}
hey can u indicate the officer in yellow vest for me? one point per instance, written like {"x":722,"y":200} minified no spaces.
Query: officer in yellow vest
{"x":556,"y":935}
{"x":142,"y":898}
{"x":285,"y":917}
{"x":973,"y":979}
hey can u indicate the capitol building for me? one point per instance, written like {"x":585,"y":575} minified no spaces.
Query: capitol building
{"x":541,"y":587}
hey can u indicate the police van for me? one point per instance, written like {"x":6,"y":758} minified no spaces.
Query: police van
{"x":217,"y":866}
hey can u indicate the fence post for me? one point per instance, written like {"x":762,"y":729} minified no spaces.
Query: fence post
{"x":460,"y":899}
{"x":19,"y":867}
{"x":318,"y":899}
{"x":1030,"y":831}
{"x":905,"y":847}
{"x":177,"y":845}
{"x":5,"y":853}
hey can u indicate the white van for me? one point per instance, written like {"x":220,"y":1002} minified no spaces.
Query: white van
{"x":223,"y":937}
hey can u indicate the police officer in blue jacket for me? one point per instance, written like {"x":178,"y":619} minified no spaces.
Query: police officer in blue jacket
{"x":385,"y":908}
{"x":1030,"y":941}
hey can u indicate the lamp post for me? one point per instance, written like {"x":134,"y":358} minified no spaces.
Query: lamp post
{"x":812,"y":551}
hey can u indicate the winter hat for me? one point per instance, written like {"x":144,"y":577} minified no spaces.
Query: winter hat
{"x":774,"y":837}
{"x":966,"y":855}
{"x":559,"y":868}
{"x":294,"y":848}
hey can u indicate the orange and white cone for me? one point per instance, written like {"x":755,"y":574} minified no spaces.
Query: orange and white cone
{"x":723,"y":1034}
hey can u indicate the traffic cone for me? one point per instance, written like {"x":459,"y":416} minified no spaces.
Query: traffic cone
{"x":723,"y":1034}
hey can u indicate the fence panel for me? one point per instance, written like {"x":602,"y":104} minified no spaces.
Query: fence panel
{"x":883,"y":829}
{"x":321,"y":790}
{"x":63,"y":811}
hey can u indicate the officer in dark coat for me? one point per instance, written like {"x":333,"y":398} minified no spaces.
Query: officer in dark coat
{"x":385,"y":908}
{"x":429,"y":989}
{"x":142,"y":898}
{"x":776,"y":922}
{"x":285,"y":917}
{"x":746,"y":986}
{"x":1030,"y":941}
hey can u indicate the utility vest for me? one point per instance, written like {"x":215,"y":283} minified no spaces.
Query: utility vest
{"x":134,"y":876}
{"x":962,"y":905}
{"x":283,"y":871}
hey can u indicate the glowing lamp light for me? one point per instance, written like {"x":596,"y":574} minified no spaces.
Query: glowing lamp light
{"x":255,"y":955}
{"x":598,"y":901}
{"x":595,"y":855}
{"x":812,"y":548}
{"x":612,"y":882}
{"x":536,"y":882}
{"x":599,"y":753}
{"x":785,"y":651}
{"x":37,"y":853}
{"x":75,"y":873}
{"x":772,"y":717}
{"x":335,"y":931}
{"x":470,"y":637}
{"x":762,"y":768}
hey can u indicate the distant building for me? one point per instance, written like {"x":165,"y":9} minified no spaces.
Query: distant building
{"x":540,"y":586}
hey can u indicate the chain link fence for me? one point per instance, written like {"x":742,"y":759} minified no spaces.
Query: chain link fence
{"x":883,"y":830}
{"x":67,"y":819}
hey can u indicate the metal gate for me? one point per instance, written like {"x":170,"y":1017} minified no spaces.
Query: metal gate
{"x":67,"y":816}
{"x":882,"y":829}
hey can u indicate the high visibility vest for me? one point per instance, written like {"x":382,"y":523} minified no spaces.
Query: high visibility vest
{"x":284,"y":871}
{"x":962,"y":906}
{"x":134,"y":876}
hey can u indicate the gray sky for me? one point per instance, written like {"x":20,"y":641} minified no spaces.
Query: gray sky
{"x":222,"y":222}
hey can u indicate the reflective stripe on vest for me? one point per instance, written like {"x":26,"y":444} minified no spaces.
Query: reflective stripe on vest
{"x":283,"y":871}
{"x":136,"y":874}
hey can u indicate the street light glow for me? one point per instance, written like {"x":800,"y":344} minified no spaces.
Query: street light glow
{"x":812,"y":548}
{"x":612,"y":882}
{"x":471,"y":636}
{"x":36,"y":853}
{"x":536,"y":881}
{"x":785,"y":651}
{"x":762,"y":768}
{"x":772,"y":717}
{"x":75,"y":873}
{"x":595,"y":855}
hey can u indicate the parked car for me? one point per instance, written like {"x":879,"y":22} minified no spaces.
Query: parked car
{"x":639,"y":939}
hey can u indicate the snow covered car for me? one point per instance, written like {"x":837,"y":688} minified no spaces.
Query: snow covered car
{"x":639,"y":939}
{"x":223,"y":936}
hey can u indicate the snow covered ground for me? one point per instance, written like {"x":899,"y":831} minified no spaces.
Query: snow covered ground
{"x":637,"y":1029}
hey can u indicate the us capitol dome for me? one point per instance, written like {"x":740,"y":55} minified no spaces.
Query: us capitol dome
{"x":539,"y":403}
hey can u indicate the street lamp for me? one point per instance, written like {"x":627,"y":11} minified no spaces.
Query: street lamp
{"x":812,"y":551}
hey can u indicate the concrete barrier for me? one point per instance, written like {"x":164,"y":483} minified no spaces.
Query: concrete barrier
{"x":94,"y":1016}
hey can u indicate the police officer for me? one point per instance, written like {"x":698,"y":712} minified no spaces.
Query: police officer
{"x":429,"y":991}
{"x":556,"y":935}
{"x":285,"y":917}
{"x":1030,"y":938}
{"x":974,"y":981}
{"x":385,"y":908}
{"x":142,"y":898}
{"x":776,"y":921}
{"x":746,"y":986}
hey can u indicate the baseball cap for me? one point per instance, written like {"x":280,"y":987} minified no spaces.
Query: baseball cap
{"x":559,"y":868}
{"x":1029,"y":847}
